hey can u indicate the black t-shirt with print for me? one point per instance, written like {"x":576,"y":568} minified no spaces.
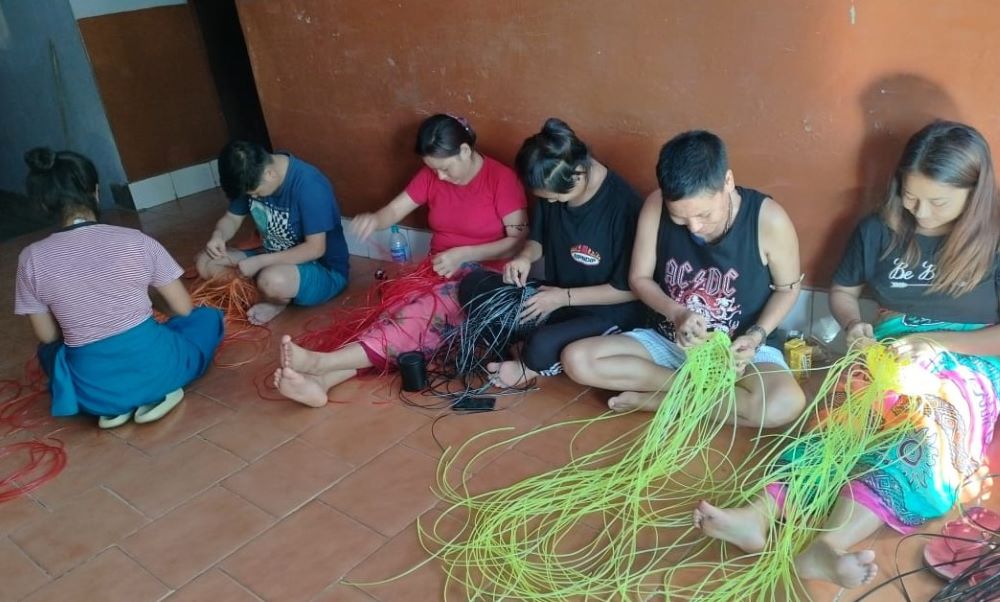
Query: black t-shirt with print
{"x":591,"y":244}
{"x":900,"y":287}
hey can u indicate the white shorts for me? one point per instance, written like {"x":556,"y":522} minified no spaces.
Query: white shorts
{"x":668,"y":354}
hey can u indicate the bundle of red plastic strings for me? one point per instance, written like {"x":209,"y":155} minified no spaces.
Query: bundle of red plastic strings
{"x":22,"y":406}
{"x":345,"y":324}
{"x":234,"y":295}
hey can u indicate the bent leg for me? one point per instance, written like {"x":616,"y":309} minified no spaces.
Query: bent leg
{"x":209,"y":268}
{"x":827,"y":558}
{"x":767,"y":396}
{"x":277,"y":284}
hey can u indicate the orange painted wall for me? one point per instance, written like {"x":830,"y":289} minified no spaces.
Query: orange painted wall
{"x":814,"y":98}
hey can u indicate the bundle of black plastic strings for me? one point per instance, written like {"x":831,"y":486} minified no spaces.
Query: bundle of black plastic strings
{"x":492,"y":325}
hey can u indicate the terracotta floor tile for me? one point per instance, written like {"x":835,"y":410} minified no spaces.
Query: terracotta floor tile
{"x":185,"y":542}
{"x":18,"y":575}
{"x":454,"y":429}
{"x":288,"y":415}
{"x":389,"y":492}
{"x":287,"y":477}
{"x":91,"y":461}
{"x":358,"y":432}
{"x":402,"y":553}
{"x":18,"y":513}
{"x":110,"y":577}
{"x":233,"y":387}
{"x":213,"y":586}
{"x":343,"y":593}
{"x":248,"y":435}
{"x":174,"y":476}
{"x":77,"y":530}
{"x":303,"y":555}
{"x":195,"y":414}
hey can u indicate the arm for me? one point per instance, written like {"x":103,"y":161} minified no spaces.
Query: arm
{"x":364,"y":224}
{"x":45,"y":327}
{"x":177,"y":297}
{"x":780,"y":245}
{"x":225,"y":228}
{"x":503,"y":248}
{"x":447,"y":262}
{"x":644,"y":262}
{"x":847,"y":311}
{"x":313,"y":247}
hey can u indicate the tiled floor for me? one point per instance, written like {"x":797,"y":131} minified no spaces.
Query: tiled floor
{"x":232,"y":497}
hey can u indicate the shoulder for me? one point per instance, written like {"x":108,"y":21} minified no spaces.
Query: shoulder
{"x":773,"y":216}
{"x":301,"y":173}
{"x":497,"y":171}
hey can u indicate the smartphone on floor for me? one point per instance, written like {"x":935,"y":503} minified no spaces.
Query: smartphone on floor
{"x":474,"y":404}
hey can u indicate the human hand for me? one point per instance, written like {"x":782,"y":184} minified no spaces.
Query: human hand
{"x":516,"y":272}
{"x":363,"y":224}
{"x":216,"y":247}
{"x":861,"y":334}
{"x":690,"y":329}
{"x":911,"y":348}
{"x":544,"y":302}
{"x":446,"y":263}
{"x":249,"y":266}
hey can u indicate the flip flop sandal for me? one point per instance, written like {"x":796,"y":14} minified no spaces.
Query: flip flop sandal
{"x":965,"y":540}
{"x":154,"y":411}
{"x":110,"y":422}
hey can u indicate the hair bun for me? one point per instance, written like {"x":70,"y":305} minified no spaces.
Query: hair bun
{"x":40,"y":159}
{"x":557,"y":127}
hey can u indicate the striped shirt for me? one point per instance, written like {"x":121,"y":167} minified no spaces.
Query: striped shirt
{"x":93,"y":278}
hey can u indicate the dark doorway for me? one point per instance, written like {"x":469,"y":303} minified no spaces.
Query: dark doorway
{"x":230,"y":63}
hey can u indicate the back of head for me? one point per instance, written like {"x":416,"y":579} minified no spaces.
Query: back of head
{"x":52,"y":174}
{"x":441,"y":136}
{"x":241,"y":165}
{"x":549,"y":159}
{"x":957,"y":155}
{"x":691,"y":163}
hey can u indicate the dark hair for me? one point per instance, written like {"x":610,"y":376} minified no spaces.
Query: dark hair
{"x":691,"y":163}
{"x":62,"y":181}
{"x":442,"y":136}
{"x":549,"y":159}
{"x":241,"y":165}
{"x":956,"y":155}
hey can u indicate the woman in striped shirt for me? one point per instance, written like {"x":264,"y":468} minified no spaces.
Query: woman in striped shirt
{"x":85,"y":290}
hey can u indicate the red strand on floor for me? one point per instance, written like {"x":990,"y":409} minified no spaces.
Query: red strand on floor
{"x":19,"y":399}
{"x":44,"y":462}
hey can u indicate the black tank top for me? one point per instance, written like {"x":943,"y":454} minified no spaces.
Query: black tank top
{"x":725,"y":280}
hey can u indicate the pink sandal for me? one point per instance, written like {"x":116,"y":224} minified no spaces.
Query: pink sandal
{"x":965,"y":540}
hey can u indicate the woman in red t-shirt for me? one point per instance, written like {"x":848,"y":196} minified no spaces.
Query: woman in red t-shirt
{"x":477,"y":214}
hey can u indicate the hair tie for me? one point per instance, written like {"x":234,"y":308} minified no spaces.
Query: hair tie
{"x":462,"y":121}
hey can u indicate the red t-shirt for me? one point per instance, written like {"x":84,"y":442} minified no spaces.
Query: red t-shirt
{"x":472,"y":214}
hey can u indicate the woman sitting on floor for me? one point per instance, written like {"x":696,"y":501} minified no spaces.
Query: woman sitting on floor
{"x":476,"y":212}
{"x":583,"y":226}
{"x":85,"y":289}
{"x":930,"y":256}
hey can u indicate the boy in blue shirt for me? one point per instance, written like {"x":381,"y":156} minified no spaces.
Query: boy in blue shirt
{"x":304,"y":258}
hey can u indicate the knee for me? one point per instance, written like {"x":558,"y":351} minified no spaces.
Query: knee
{"x":275,"y":283}
{"x":783,"y":404}
{"x":475,"y":284}
{"x":578,"y":361}
{"x":202,"y":263}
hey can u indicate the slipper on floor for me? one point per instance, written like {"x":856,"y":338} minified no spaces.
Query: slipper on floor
{"x":964,"y":541}
{"x":110,"y":422}
{"x":154,"y":411}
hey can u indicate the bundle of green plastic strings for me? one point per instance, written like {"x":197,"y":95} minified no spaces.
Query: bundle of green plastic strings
{"x":616,"y":523}
{"x":813,"y":469}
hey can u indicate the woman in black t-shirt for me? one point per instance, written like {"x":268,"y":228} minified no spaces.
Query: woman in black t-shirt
{"x":583,"y":225}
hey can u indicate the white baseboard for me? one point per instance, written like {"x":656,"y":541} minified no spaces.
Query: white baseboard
{"x":174,"y":185}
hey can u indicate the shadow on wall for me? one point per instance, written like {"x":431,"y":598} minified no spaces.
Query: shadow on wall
{"x":893,"y":107}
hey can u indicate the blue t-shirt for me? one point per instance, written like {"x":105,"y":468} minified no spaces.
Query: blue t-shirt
{"x":304,"y":204}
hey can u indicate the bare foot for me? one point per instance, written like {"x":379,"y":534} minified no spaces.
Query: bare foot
{"x":635,"y":400}
{"x":846,"y":569}
{"x":298,"y":358}
{"x":264,"y":312}
{"x":508,"y":375}
{"x":302,"y":388}
{"x":745,"y":528}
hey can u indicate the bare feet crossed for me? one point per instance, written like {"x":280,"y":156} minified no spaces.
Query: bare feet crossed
{"x":745,"y":528}
{"x":264,"y":312}
{"x":846,"y":569}
{"x":508,"y":375}
{"x":636,"y":400}
{"x":303,"y":388}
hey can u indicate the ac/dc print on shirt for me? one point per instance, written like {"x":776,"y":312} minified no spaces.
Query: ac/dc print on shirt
{"x":275,"y":224}
{"x":709,"y":292}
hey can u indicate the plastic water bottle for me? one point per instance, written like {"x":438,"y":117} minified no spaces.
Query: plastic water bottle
{"x":399,"y":248}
